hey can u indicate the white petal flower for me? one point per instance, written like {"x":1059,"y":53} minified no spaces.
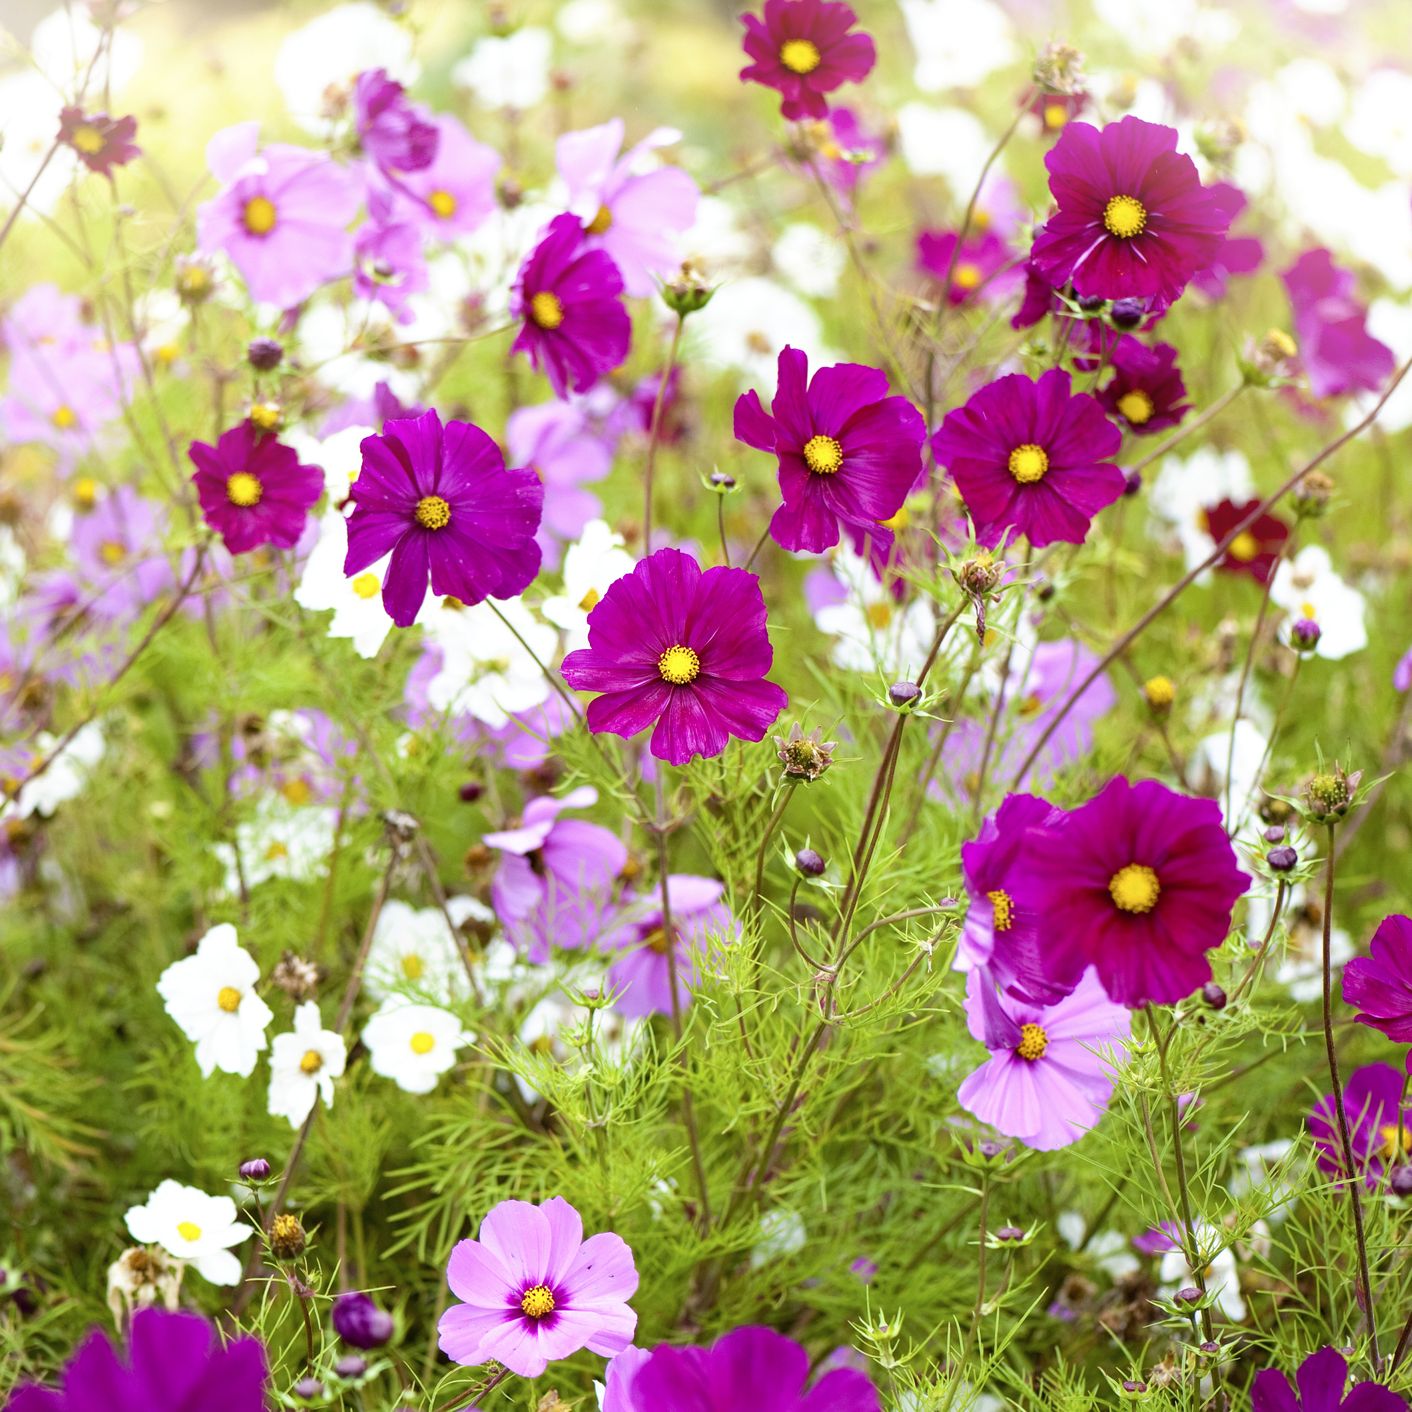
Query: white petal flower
{"x":413,"y":952}
{"x":281,"y":841}
{"x":590,"y":567}
{"x":781,"y":1233}
{"x":358,"y":612}
{"x":958,"y":42}
{"x":507,"y":71}
{"x":413,"y":1045}
{"x":871,"y":629}
{"x":810,"y":259}
{"x":211,"y":996}
{"x":64,"y":779}
{"x":486,"y":671}
{"x":191,"y":1225}
{"x":303,"y":1065}
{"x":746,"y":324}
{"x":1307,"y":587}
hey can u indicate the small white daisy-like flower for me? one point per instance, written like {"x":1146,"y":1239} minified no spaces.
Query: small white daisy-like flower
{"x":358,"y":614}
{"x":486,"y":671}
{"x":281,"y":841}
{"x":303,"y":1065}
{"x":507,"y":71}
{"x":781,"y":1233}
{"x":413,"y":952}
{"x":591,"y":565}
{"x":64,"y":779}
{"x":192,"y":1225}
{"x":413,"y":1045}
{"x":871,"y":629}
{"x":1307,"y":587}
{"x":211,"y":996}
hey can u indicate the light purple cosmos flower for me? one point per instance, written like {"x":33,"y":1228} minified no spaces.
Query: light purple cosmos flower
{"x":388,"y":265}
{"x":1319,"y":1387}
{"x":849,"y":151}
{"x":1146,"y":389}
{"x":686,"y":650}
{"x":848,"y":453}
{"x":441,"y":501}
{"x":1031,"y":458}
{"x":1133,"y":218}
{"x":534,"y":1291}
{"x":554,"y":884}
{"x":642,"y":973}
{"x":282,"y":215}
{"x":101,"y":142}
{"x":750,"y":1369}
{"x":117,"y":548}
{"x":558,"y":442}
{"x":175,"y":1363}
{"x":253,"y":489}
{"x":985,"y":265}
{"x":1380,"y":985}
{"x":1238,"y":255}
{"x":1336,"y":351}
{"x":633,"y":215}
{"x":1380,"y":1129}
{"x":455,"y":192}
{"x":575,"y":326}
{"x":1044,"y":1083}
{"x":804,"y":49}
{"x":395,"y":134}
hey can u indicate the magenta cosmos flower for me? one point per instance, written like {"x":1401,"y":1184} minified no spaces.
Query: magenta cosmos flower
{"x":804,"y":49}
{"x":441,"y":501}
{"x":175,"y":1363}
{"x":1138,"y":883}
{"x":1336,"y":350}
{"x":984,"y":266}
{"x":101,"y":142}
{"x":575,"y":326}
{"x":1379,"y":985}
{"x":1320,"y":1385}
{"x":533,"y":1290}
{"x":253,"y":489}
{"x":848,"y":453}
{"x":1046,"y":1081}
{"x":1031,"y":458}
{"x":685,"y":650}
{"x":750,"y":1369}
{"x":1134,"y":219}
{"x":396,"y":135}
{"x":1146,"y":390}
{"x":1379,"y":1130}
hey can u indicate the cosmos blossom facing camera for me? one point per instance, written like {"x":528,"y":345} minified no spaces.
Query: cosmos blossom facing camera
{"x":1146,"y":389}
{"x":253,"y":488}
{"x":101,"y":142}
{"x":805,"y":49}
{"x":1319,"y":1386}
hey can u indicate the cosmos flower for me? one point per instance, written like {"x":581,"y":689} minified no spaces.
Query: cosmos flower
{"x":685,"y":649}
{"x":985,"y":266}
{"x":848,"y":453}
{"x":176,"y":1362}
{"x":191,"y":1225}
{"x":804,"y":48}
{"x":388,"y":266}
{"x":454,"y":193}
{"x":441,"y":501}
{"x":101,"y":142}
{"x":534,"y":1291}
{"x":358,"y":1320}
{"x":1256,"y":549}
{"x":559,"y":443}
{"x":414,"y":952}
{"x":1056,"y":111}
{"x":1138,"y":883}
{"x":393,"y":132}
{"x":253,"y":489}
{"x":488,"y":663}
{"x":1380,"y":1136}
{"x":1336,"y":351}
{"x":1046,"y":1082}
{"x":212,"y":997}
{"x":575,"y":326}
{"x":848,"y":150}
{"x":358,"y":614}
{"x":304,"y":1062}
{"x":1146,"y":389}
{"x":591,"y":566}
{"x":1309,"y":589}
{"x":1319,"y":1387}
{"x":117,"y":549}
{"x":1379,"y":985}
{"x":1133,"y":219}
{"x":412,"y":1044}
{"x":1031,"y":458}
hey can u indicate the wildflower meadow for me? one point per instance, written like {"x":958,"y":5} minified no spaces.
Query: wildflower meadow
{"x":704,"y":705}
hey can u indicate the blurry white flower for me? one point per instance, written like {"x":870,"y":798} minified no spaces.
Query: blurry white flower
{"x":944,"y":142}
{"x":717,"y":244}
{"x":331,"y":341}
{"x":485,"y":670}
{"x":414,"y":953}
{"x":872,"y":629}
{"x":1307,"y":587}
{"x":70,"y":50}
{"x":781,"y":1233}
{"x":140,"y":1278}
{"x":303,"y":1065}
{"x":12,"y":567}
{"x":29,"y":118}
{"x":1380,"y":120}
{"x":1266,"y":1168}
{"x":1110,"y":1251}
{"x":809,"y":258}
{"x":1300,"y":967}
{"x":1392,"y":323}
{"x":597,"y":560}
{"x":211,"y":996}
{"x":281,"y":841}
{"x":339,"y":457}
{"x":494,"y":252}
{"x":413,"y":1045}
{"x":593,"y":22}
{"x":1246,"y":757}
{"x":958,"y":42}
{"x":1149,"y":26}
{"x":507,"y":71}
{"x":1185,"y":489}
{"x":358,"y":613}
{"x":193,"y":1226}
{"x":747,"y":323}
{"x":1222,"y":1274}
{"x":64,"y":779}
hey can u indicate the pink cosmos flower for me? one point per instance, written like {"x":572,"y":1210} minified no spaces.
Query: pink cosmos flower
{"x":985,"y":268}
{"x":804,"y":49}
{"x":534,"y":1291}
{"x":253,"y":489}
{"x":388,"y":264}
{"x":1379,"y":1125}
{"x":1336,"y":350}
{"x":455,"y":192}
{"x":394,"y":133}
{"x":1238,"y":255}
{"x":1379,"y":985}
{"x":557,"y":441}
{"x":633,"y":215}
{"x":117,"y":548}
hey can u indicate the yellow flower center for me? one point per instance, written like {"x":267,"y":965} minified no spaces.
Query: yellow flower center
{"x":679,"y":665}
{"x":1055,"y":116}
{"x":1134,"y":888}
{"x":1124,"y":216}
{"x":111,"y":552}
{"x":276,"y":851}
{"x":1033,"y":1042}
{"x":1281,"y":342}
{"x":260,"y":216}
{"x":244,"y":490}
{"x":1397,"y":1141}
{"x":296,"y":791}
{"x":1028,"y":463}
{"x":433,"y":512}
{"x":800,"y":56}
{"x":167,"y":354}
{"x":1136,"y":406}
{"x":85,"y":492}
{"x":878,"y":614}
{"x":537,"y":1302}
{"x":228,"y":998}
{"x":823,"y":455}
{"x":602,"y":222}
{"x":266,"y":415}
{"x":589,"y":600}
{"x":194,"y":281}
{"x":1159,"y":691}
{"x":188,"y":1230}
{"x":64,"y":417}
{"x":546,"y":310}
{"x":312,"y":1061}
{"x":1244,"y":547}
{"x":413,"y":966}
{"x":422,"y":1043}
{"x":656,"y":941}
{"x":966,"y":275}
{"x":366,"y":585}
{"x":1002,"y":910}
{"x":443,"y":204}
{"x":87,"y":139}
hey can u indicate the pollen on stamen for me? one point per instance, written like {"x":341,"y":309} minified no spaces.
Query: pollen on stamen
{"x":679,"y":665}
{"x":443,"y":205}
{"x":601,"y":223}
{"x":367,"y":585}
{"x":1135,"y":888}
{"x":537,"y":1302}
{"x":1029,"y":463}
{"x":1124,"y":216}
{"x":823,"y":455}
{"x":244,"y":490}
{"x":228,"y":998}
{"x":312,"y":1061}
{"x":1002,"y":908}
{"x":800,"y":56}
{"x":260,"y":216}
{"x":422,"y":1043}
{"x":1033,"y":1043}
{"x":432,"y":512}
{"x":1136,"y":406}
{"x":546,"y":310}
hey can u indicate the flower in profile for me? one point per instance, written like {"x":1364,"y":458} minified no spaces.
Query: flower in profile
{"x":1379,"y":985}
{"x":533,"y":1290}
{"x":441,"y":501}
{"x":591,"y":566}
{"x":1257,"y":548}
{"x":804,"y":48}
{"x":191,"y":1225}
{"x":101,"y":142}
{"x":211,"y":995}
{"x":1319,"y":1387}
{"x":176,"y":1362}
{"x":393,"y":132}
{"x":1134,"y":219}
{"x":1138,"y":883}
{"x":847,"y":452}
{"x":750,"y":1367}
{"x":1146,"y":389}
{"x":253,"y":488}
{"x":681,"y":649}
{"x":983,"y":267}
{"x":1031,"y":458}
{"x":303,"y":1065}
{"x":413,"y":1045}
{"x":1046,"y":1081}
{"x":1336,"y":351}
{"x":575,"y":326}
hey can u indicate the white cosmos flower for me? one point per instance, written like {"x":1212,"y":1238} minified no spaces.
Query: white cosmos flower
{"x":413,"y":1045}
{"x":188,"y":1223}
{"x":781,"y":1233}
{"x":746,"y":324}
{"x":809,"y":258}
{"x":414,"y":953}
{"x":1391,"y":322}
{"x":64,"y":779}
{"x":303,"y":1065}
{"x":1245,"y":756}
{"x":872,"y":629}
{"x":68,"y":48}
{"x":332,"y":341}
{"x":211,"y":996}
{"x":485,"y":670}
{"x":1110,"y":1251}
{"x":591,"y":565}
{"x":1308,"y":587}
{"x":29,"y":118}
{"x":1222,"y":1274}
{"x":958,"y":42}
{"x":944,"y":142}
{"x":717,"y":244}
{"x":282,"y":840}
{"x":507,"y":71}
{"x":1300,"y":967}
{"x":1380,"y":121}
{"x":358,"y":614}
{"x":339,"y":457}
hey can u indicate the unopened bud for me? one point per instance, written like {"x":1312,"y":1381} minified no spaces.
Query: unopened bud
{"x":810,"y":863}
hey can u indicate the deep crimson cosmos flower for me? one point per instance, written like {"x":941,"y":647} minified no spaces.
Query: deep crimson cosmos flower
{"x":1146,"y":389}
{"x":848,"y":453}
{"x":441,"y":501}
{"x":804,"y":49}
{"x":253,"y":489}
{"x":1255,"y":550}
{"x":1379,"y":985}
{"x":101,"y":142}
{"x":1031,"y":457}
{"x":686,"y":650}
{"x":1134,"y":219}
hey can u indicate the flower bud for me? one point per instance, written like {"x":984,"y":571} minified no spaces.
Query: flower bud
{"x":287,"y":1238}
{"x":1282,"y":859}
{"x":308,"y":1389}
{"x":1329,"y":794}
{"x":1312,"y":495}
{"x":979,"y":574}
{"x":903,"y":693}
{"x":1010,"y":1233}
{"x":357,"y":1320}
{"x":1188,"y":1294}
{"x":686,"y":292}
{"x":350,"y":1366}
{"x":266,"y":416}
{"x":721,"y":481}
{"x":195,"y":279}
{"x":810,"y":863}
{"x":264,"y":354}
{"x":1274,"y":834}
{"x":257,"y":1169}
{"x":1127,"y":313}
{"x":1059,"y":69}
{"x":470,"y":791}
{"x":1091,"y":303}
{"x":1304,"y":634}
{"x":1159,"y":693}
{"x":1213,"y":995}
{"x":1400,"y":1180}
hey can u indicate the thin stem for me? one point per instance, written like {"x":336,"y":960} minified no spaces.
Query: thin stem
{"x":1186,"y":429}
{"x":655,"y":436}
{"x":27,"y":192}
{"x":757,"y":895}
